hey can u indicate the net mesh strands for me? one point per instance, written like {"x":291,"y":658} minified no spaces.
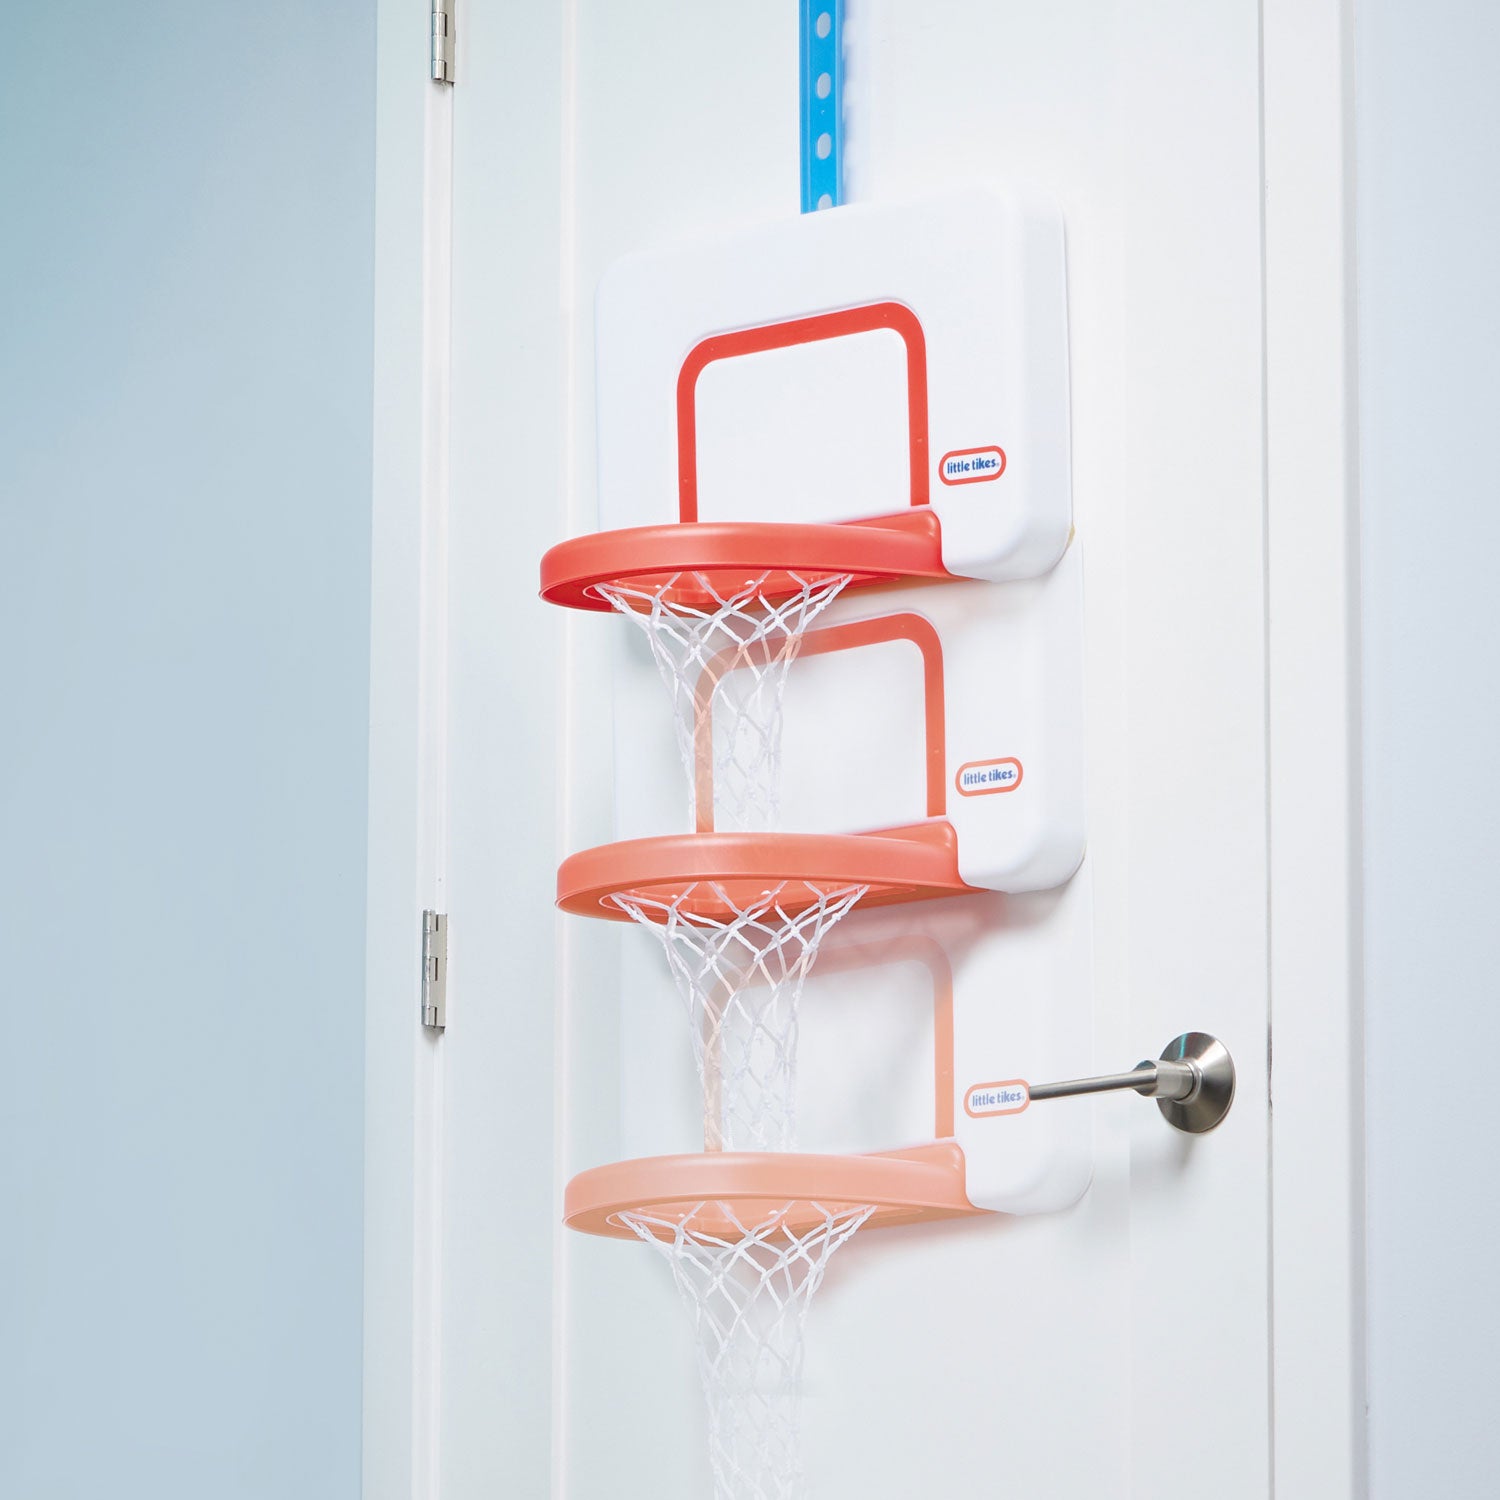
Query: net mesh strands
{"x":741,"y":981}
{"x":725,"y":663}
{"x":747,"y":1282}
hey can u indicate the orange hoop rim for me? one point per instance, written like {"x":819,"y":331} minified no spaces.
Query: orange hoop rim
{"x":695,"y":564}
{"x":914,"y":1186}
{"x":733,"y":870}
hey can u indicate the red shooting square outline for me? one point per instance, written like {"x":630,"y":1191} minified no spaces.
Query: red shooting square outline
{"x":833,"y":325}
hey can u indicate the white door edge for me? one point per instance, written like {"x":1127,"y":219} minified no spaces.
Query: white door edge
{"x":407,"y":776}
{"x":1312,"y":509}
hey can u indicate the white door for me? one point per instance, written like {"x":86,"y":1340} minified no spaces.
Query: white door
{"x":1189,"y":1321}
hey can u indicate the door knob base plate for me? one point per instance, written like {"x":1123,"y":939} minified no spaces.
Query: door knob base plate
{"x":1210,"y":1099}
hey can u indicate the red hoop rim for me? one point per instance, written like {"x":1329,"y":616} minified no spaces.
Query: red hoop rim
{"x":695,"y":564}
{"x":915,"y":863}
{"x":913,"y":1186}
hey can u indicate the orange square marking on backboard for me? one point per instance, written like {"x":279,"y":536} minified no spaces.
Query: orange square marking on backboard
{"x":868,"y":319}
{"x":875,"y":631}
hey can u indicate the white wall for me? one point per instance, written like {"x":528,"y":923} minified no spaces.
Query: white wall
{"x":1429,"y":223}
{"x":185,"y":268}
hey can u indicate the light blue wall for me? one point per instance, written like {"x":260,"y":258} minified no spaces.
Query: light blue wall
{"x":186,"y":204}
{"x":1429,"y":252}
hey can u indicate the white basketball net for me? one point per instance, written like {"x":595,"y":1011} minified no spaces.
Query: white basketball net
{"x":725,"y":665}
{"x":747,"y":1286}
{"x":741,"y":978}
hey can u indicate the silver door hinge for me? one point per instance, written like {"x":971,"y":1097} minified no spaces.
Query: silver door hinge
{"x":442,"y":41}
{"x":434,"y":970}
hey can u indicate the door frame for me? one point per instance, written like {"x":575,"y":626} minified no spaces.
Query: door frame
{"x":1312,"y":711}
{"x":1313,"y":725}
{"x":407,"y":774}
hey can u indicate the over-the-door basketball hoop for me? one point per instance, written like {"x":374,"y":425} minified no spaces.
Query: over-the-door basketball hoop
{"x":781,"y":459}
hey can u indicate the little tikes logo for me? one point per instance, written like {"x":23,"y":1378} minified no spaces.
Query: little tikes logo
{"x":979,"y":778}
{"x":971,"y":465}
{"x":985,"y":1099}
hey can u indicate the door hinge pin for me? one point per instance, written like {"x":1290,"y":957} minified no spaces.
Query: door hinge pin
{"x":442,"y":41}
{"x":434,"y":970}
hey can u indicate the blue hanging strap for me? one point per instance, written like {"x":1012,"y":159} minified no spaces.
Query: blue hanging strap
{"x":822,"y":104}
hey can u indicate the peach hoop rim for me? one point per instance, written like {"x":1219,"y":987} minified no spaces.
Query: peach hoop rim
{"x":727,"y":873}
{"x":674,"y":562}
{"x":917,"y":1185}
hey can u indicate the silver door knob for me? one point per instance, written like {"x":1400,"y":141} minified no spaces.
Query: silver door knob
{"x":1192,"y":1082}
